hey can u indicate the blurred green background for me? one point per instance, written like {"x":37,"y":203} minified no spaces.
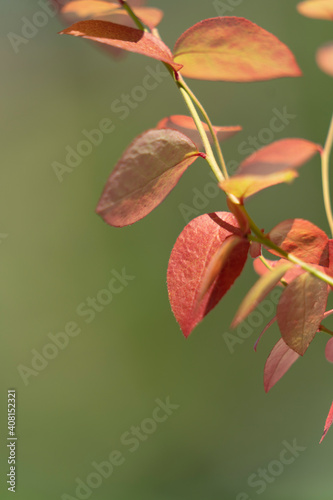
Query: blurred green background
{"x":56,"y":252}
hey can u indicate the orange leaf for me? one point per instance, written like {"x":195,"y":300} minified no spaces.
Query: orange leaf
{"x":80,"y":10}
{"x":317,"y":9}
{"x":300,"y":310}
{"x":303,"y":239}
{"x":123,"y":37}
{"x":244,"y":186}
{"x":259,"y":291}
{"x":324,"y":58}
{"x":233,"y":49}
{"x":186,"y":125}
{"x":270,"y":165}
{"x":290,"y":275}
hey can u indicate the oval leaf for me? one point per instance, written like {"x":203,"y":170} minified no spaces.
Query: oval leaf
{"x":278,"y":363}
{"x":186,"y":125}
{"x":146,"y":173}
{"x":328,"y":423}
{"x":80,"y":10}
{"x":303,"y":239}
{"x":317,"y":9}
{"x":324,"y":58}
{"x":329,"y":350}
{"x":259,"y":291}
{"x":244,"y":186}
{"x":300,"y":310}
{"x":233,"y":49}
{"x":189,"y":260}
{"x":123,"y":37}
{"x":269,"y":166}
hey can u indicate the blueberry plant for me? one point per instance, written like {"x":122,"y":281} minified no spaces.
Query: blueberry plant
{"x":211,"y":251}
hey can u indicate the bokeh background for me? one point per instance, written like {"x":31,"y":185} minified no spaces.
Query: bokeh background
{"x":55,"y":252}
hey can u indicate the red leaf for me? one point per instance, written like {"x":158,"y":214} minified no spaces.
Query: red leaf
{"x":329,"y":350}
{"x":300,"y":310}
{"x":255,"y":249}
{"x":186,"y":125}
{"x":324,"y":58}
{"x":259,"y":291}
{"x":278,"y":363}
{"x":328,"y":423}
{"x":218,"y":262}
{"x":123,"y":37}
{"x":189,"y":260}
{"x":269,"y":166}
{"x":303,"y":239}
{"x":317,"y":9}
{"x":233,"y":49}
{"x":146,"y":173}
{"x":269,"y":324}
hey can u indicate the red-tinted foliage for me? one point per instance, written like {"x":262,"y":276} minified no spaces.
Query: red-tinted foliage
{"x":186,"y":125}
{"x":328,"y":423}
{"x":300,"y":311}
{"x":269,"y":166}
{"x":324,"y":58}
{"x":259,"y":291}
{"x":189,"y":260}
{"x":302,"y":239}
{"x":317,"y":9}
{"x":123,"y":37}
{"x":146,"y":173}
{"x":278,"y":363}
{"x":233,"y":49}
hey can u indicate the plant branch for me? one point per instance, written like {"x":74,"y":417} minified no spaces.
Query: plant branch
{"x":130,"y":12}
{"x":210,"y":158}
{"x":210,"y":126}
{"x":325,"y":159}
{"x":264,"y":240}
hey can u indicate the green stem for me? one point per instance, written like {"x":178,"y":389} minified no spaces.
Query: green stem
{"x":210,"y":158}
{"x":325,"y":159}
{"x":264,"y":240}
{"x":210,"y":126}
{"x":130,"y":12}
